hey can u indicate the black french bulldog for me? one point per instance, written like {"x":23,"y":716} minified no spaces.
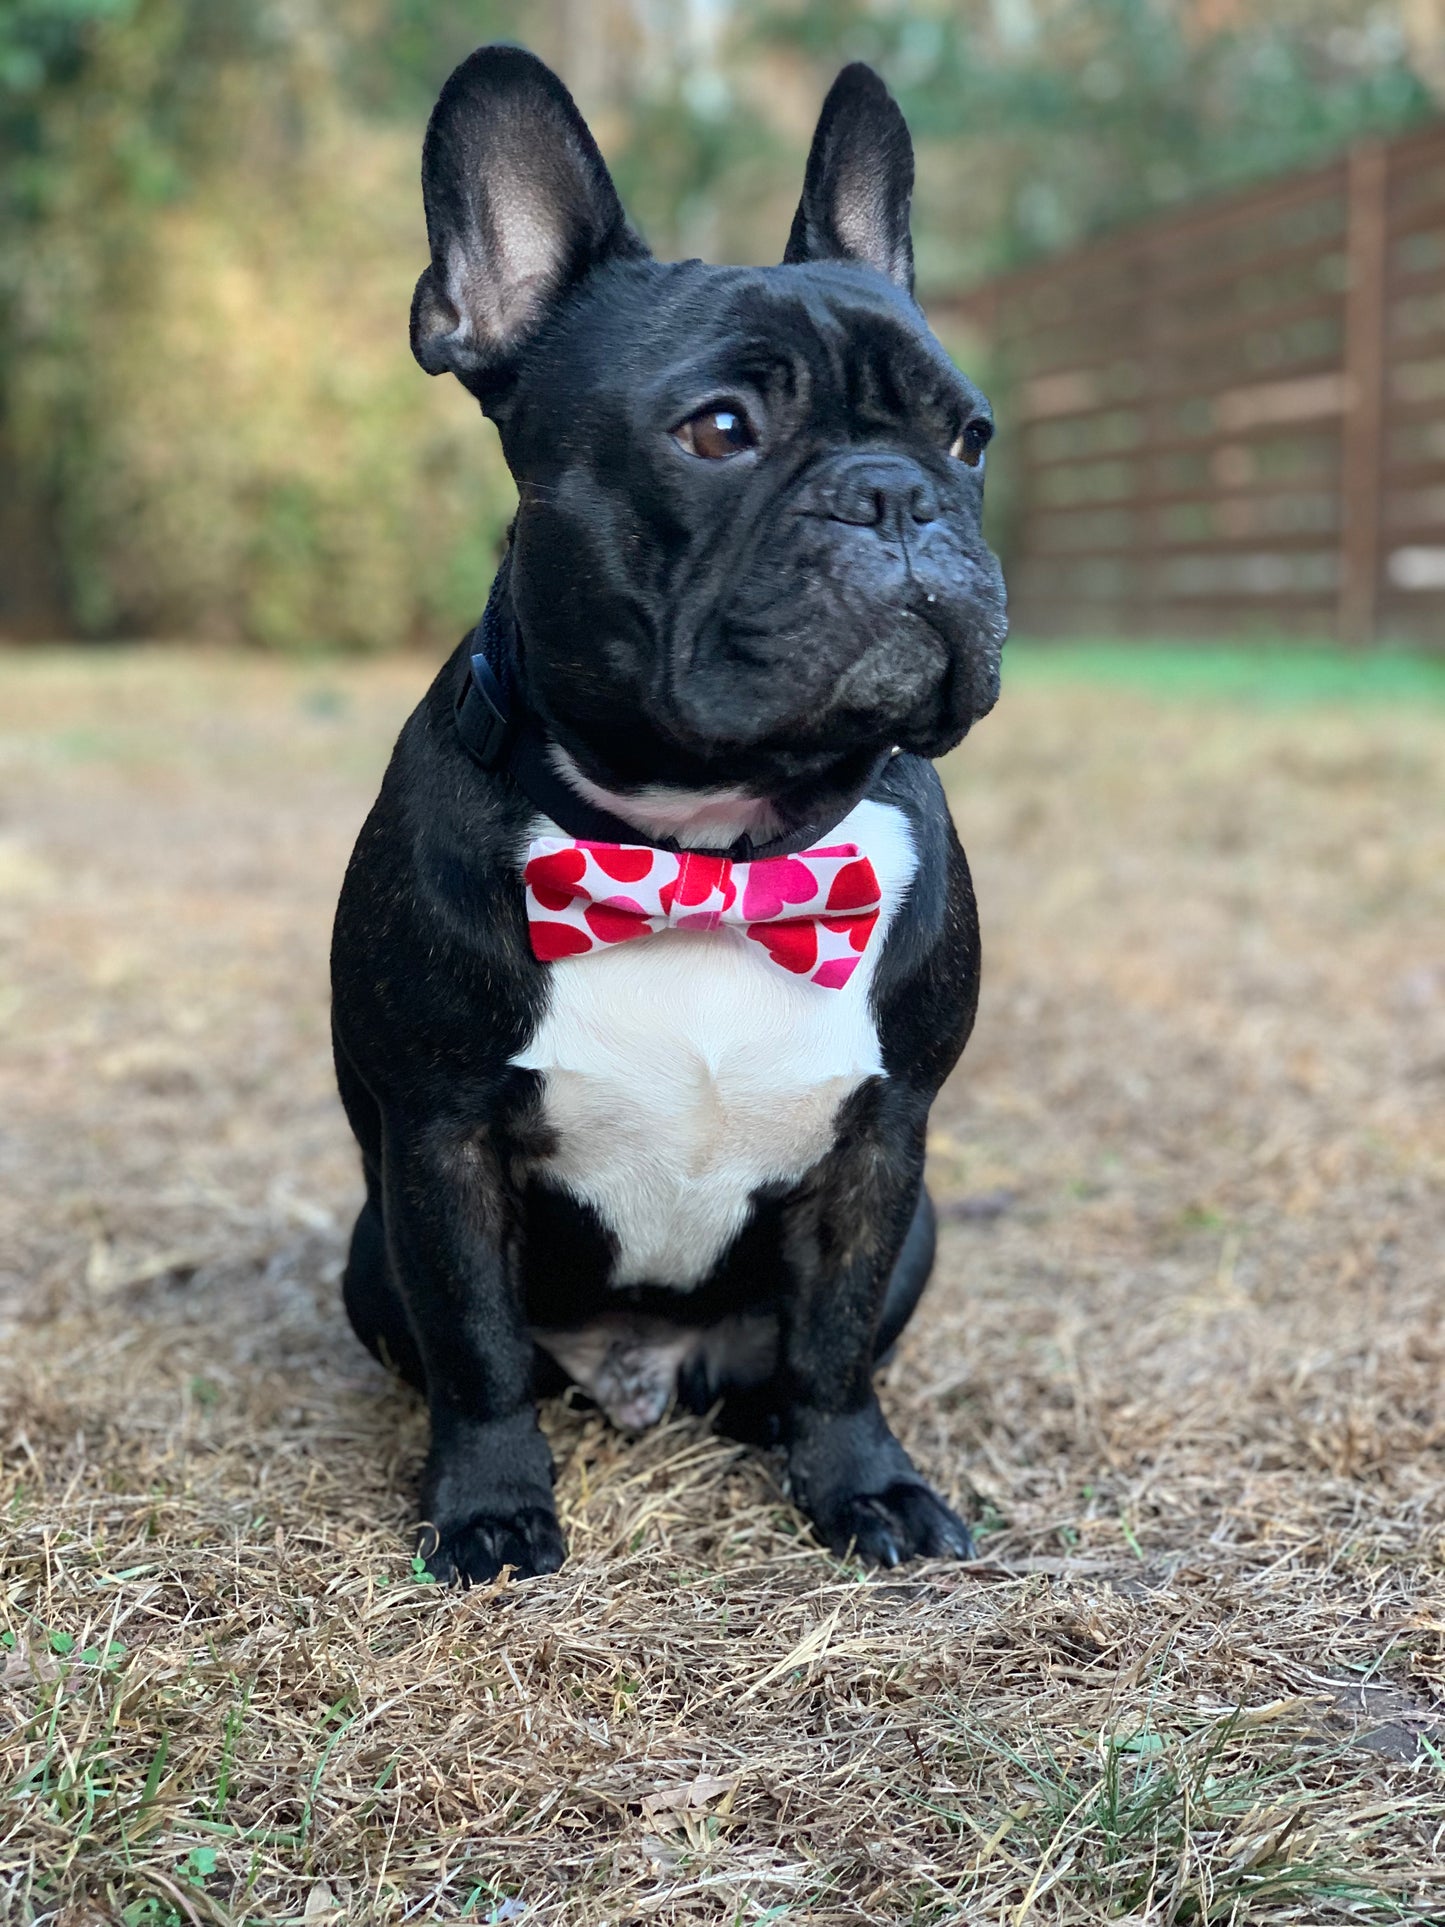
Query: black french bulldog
{"x":746,"y":597}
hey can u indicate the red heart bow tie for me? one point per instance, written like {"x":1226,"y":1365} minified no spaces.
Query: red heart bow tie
{"x":813,"y":913}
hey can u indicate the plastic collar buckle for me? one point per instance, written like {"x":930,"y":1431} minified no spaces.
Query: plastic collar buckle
{"x":482,"y":719}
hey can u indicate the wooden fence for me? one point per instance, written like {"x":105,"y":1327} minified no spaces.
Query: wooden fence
{"x":1232,"y":419}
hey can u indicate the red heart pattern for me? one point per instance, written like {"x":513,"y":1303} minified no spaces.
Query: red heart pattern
{"x":552,"y":877}
{"x":813,"y":913}
{"x":776,"y":881}
{"x":793,"y":945}
{"x":627,"y":862}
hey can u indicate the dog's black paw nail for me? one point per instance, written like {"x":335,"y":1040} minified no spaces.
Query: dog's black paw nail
{"x":474,"y":1551}
{"x":904,"y":1521}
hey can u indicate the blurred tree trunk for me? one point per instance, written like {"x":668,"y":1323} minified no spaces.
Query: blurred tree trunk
{"x":32,"y":602}
{"x":1424,"y":22}
{"x":582,"y":47}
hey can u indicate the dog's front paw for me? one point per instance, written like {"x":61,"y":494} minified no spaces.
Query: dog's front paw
{"x":861,"y":1491}
{"x":907,"y":1520}
{"x":487,"y":1493}
{"x":474,"y":1551}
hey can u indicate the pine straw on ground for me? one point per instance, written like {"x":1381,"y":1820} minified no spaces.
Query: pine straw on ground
{"x":1182,"y":1359}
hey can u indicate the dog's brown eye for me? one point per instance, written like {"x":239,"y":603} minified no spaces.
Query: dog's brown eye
{"x":715,"y":434}
{"x":968,"y":446}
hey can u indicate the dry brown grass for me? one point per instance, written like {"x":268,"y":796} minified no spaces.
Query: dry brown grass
{"x":1185,"y":1346}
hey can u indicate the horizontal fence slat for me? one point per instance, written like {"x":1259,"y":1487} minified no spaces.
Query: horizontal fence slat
{"x":1199,"y":335}
{"x":1199,"y":276}
{"x":1270,"y":489}
{"x":1402,"y":287}
{"x":1408,"y":475}
{"x":1024,"y":331}
{"x":1177,"y":225}
{"x":1187,"y":445}
{"x":1286,"y":541}
{"x":1416,"y":412}
{"x":1067,"y":605}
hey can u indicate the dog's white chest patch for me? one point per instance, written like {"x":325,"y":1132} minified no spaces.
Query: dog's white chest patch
{"x":683,"y":1071}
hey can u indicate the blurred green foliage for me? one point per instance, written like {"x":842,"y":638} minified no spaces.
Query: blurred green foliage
{"x":209,"y":421}
{"x":1042,"y":123}
{"x":210,"y":424}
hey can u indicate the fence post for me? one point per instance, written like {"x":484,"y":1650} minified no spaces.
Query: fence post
{"x":1362,"y":425}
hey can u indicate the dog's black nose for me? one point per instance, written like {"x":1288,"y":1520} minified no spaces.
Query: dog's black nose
{"x":880,"y":491}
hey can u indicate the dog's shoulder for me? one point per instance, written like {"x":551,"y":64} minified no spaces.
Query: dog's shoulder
{"x":926,"y":987}
{"x":430,"y":940}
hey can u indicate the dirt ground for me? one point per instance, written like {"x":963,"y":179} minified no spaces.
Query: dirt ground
{"x":1182,"y":1361}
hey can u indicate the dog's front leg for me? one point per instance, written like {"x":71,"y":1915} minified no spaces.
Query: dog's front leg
{"x":847,"y":1470}
{"x":487,"y":1489}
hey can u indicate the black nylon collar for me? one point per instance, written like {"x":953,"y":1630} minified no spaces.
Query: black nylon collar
{"x":498,"y":733}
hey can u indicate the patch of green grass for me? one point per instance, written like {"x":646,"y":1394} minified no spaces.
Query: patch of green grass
{"x":1267,"y":675}
{"x":151,"y":1912}
{"x":1188,"y":1822}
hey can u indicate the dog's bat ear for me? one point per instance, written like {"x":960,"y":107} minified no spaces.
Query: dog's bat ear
{"x":519,"y":209}
{"x":859,"y":182}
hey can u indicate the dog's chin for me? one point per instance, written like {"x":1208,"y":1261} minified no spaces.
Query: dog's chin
{"x":967,"y":699}
{"x":697,"y":817}
{"x":764,"y":792}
